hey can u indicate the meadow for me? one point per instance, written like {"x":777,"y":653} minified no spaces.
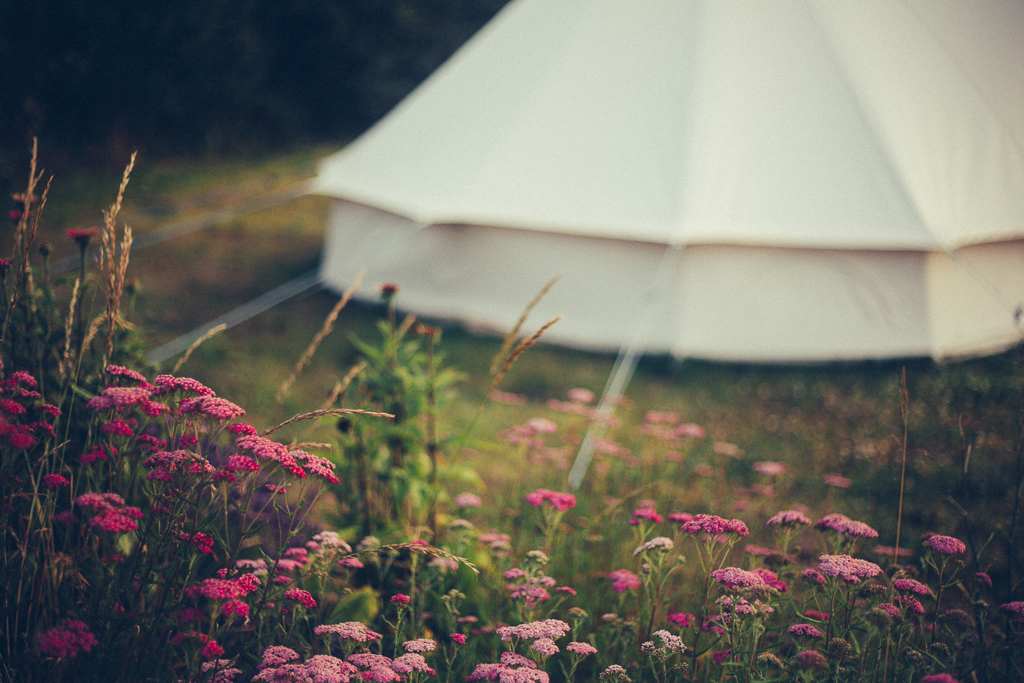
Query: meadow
{"x":738,"y":523}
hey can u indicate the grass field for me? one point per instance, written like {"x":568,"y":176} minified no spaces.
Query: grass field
{"x":818,"y":419}
{"x":148,"y":510}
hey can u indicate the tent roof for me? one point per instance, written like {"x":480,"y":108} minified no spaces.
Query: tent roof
{"x":863,"y":124}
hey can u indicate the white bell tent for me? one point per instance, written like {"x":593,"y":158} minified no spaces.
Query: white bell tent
{"x":783,"y":180}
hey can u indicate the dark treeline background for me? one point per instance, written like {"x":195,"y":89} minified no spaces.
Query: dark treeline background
{"x":95,"y":78}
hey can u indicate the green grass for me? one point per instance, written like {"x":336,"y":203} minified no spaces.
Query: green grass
{"x":818,"y":419}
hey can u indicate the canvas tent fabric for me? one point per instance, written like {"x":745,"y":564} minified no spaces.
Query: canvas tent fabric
{"x":813,"y":179}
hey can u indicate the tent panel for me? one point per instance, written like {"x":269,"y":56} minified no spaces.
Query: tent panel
{"x":750,"y":304}
{"x":975,"y":299}
{"x":485,"y":276}
{"x":952,"y":142}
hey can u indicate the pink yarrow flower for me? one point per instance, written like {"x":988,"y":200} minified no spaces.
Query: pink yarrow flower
{"x":645,"y":513}
{"x":304,"y":598}
{"x":735,"y":578}
{"x":805,"y":631}
{"x":467,"y":500}
{"x":545,"y":628}
{"x":788,"y":518}
{"x":556,"y":499}
{"x":66,"y":640}
{"x":911,"y":586}
{"x":945,"y":545}
{"x":713,"y":525}
{"x":355,"y":631}
{"x":842,"y":524}
{"x":624,"y":580}
{"x":849,"y":569}
{"x":420,"y":645}
{"x":581,"y":649}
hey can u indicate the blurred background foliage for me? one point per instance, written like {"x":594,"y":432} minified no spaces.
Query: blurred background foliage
{"x":95,"y":79}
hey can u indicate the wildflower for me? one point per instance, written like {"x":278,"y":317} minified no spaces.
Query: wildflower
{"x":82,"y":236}
{"x":117,"y":520}
{"x":351,"y":563}
{"x":420,"y":645}
{"x":713,"y":525}
{"x":659,"y":543}
{"x":117,"y":428}
{"x":242,"y":429}
{"x":1014,"y":608}
{"x":580,"y":395}
{"x":203,"y":542}
{"x":811,"y":659}
{"x":21,"y":438}
{"x":241,"y":463}
{"x":509,"y":658}
{"x":166,"y":384}
{"x":545,"y":647}
{"x":276,"y":655}
{"x":682,"y":619}
{"x":735,"y":578}
{"x":837,"y":481}
{"x":566,"y":590}
{"x":303,"y":597}
{"x":127,"y":373}
{"x":690,"y":430}
{"x":911,"y":586}
{"x":679,"y":517}
{"x":355,"y":631}
{"x":771,"y":579}
{"x":842,"y":524}
{"x":847,"y":568}
{"x":669,"y":643}
{"x":624,"y":580}
{"x":235,"y":608}
{"x":66,"y":640}
{"x":983,"y":578}
{"x":813,"y":576}
{"x":267,"y":449}
{"x":542,"y":425}
{"x":467,"y":500}
{"x":400,"y":599}
{"x":581,"y":649}
{"x":458,"y":638}
{"x":817,"y":615}
{"x":788,"y":518}
{"x":211,"y":406}
{"x":615,"y":673}
{"x":12,"y":407}
{"x":890,"y":609}
{"x":411,"y":662}
{"x":645,"y":513}
{"x":910,"y":604}
{"x":945,"y":545}
{"x":545,"y":628}
{"x":321,"y":467}
{"x":805,"y":631}
{"x":55,"y":481}
{"x":373,"y":667}
{"x":220,"y":671}
{"x":558,"y":500}
{"x":211,"y":650}
{"x":769,"y":468}
{"x":939,"y":678}
{"x":720,"y":656}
